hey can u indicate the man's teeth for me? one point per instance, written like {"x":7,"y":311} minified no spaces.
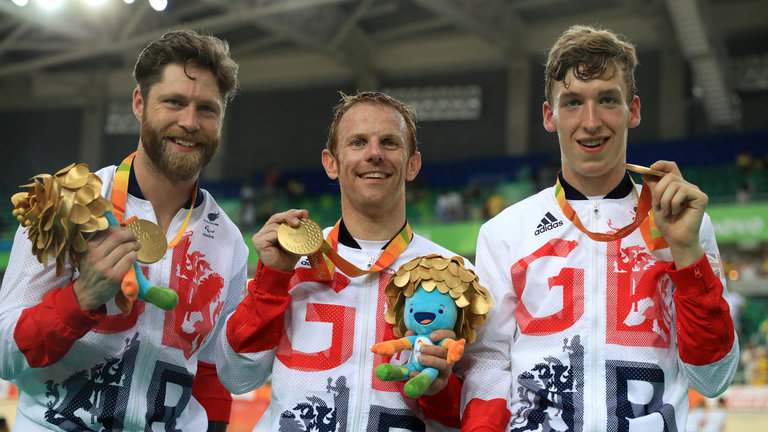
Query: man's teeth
{"x":374,"y":175}
{"x":594,"y":143}
{"x":185,"y":143}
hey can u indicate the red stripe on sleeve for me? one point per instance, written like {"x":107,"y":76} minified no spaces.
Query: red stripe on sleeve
{"x":208,"y":390}
{"x":485,"y":416}
{"x":47,"y":331}
{"x":257,"y":323}
{"x":444,"y":405}
{"x":704,"y":325}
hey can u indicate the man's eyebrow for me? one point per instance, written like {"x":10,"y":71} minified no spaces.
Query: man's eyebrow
{"x":394,"y":137}
{"x":610,"y":92}
{"x":569,"y":94}
{"x":362,"y":136}
{"x":181,"y":96}
{"x":601,"y":93}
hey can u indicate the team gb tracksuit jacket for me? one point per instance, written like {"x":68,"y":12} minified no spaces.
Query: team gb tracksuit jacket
{"x":315,"y":339}
{"x":104,"y":371}
{"x":592,"y":336}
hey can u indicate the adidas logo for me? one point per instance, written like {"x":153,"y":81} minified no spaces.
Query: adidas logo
{"x":547,"y":223}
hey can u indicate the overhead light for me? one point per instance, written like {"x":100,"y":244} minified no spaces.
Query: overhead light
{"x":128,"y":1}
{"x":96,"y":2}
{"x":49,"y":4}
{"x":158,"y":5}
{"x":20,"y":2}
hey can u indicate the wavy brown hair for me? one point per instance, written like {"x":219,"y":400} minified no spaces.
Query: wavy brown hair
{"x":187,"y":48}
{"x":589,"y":51}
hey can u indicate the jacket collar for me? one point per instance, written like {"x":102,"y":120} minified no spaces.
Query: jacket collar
{"x":347,"y":240}
{"x":135,"y":190}
{"x":623,"y":189}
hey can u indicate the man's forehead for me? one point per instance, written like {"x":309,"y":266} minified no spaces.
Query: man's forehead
{"x":176,"y":78}
{"x":608,"y":81}
{"x":365,"y":115}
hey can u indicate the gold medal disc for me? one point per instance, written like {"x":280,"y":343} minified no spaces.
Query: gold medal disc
{"x":151,"y":238}
{"x":643,"y":170}
{"x":304,"y":240}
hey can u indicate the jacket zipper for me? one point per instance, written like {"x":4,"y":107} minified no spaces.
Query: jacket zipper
{"x":362,"y":352}
{"x":594,"y":315}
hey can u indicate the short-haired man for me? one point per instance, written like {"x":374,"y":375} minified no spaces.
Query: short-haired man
{"x":315,"y":336}
{"x":604,"y":315}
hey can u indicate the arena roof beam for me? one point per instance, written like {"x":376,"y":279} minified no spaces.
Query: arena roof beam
{"x":706,"y":55}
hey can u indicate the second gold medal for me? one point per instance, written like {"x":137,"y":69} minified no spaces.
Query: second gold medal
{"x":304,"y":240}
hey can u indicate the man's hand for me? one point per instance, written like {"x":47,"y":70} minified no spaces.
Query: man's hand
{"x":111,"y":253}
{"x":266,"y":245}
{"x":436,"y":356}
{"x":678,"y":209}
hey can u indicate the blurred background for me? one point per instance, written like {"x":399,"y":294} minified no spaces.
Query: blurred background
{"x":473,"y":69}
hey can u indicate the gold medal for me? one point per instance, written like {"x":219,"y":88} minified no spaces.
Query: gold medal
{"x":304,"y":240}
{"x":151,"y":238}
{"x":643,"y":170}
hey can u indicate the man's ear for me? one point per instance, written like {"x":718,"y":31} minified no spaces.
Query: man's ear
{"x":549,"y":117}
{"x":634,"y":112}
{"x":414,"y":165}
{"x":138,"y":104}
{"x":330,"y":164}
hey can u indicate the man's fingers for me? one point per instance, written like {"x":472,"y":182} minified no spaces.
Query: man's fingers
{"x":437,"y":336}
{"x":116,"y":245}
{"x":434,"y":350}
{"x":666,"y":166}
{"x":291,"y":217}
{"x":110,"y":237}
{"x":267,"y":235}
{"x":667,"y":201}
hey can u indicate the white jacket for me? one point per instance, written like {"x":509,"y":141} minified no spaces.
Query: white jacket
{"x":131,"y":373}
{"x":584,"y":334}
{"x":320,"y":356}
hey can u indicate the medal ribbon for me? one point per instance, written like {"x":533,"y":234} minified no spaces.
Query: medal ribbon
{"x":120,"y":196}
{"x":324,"y":261}
{"x":643,"y":218}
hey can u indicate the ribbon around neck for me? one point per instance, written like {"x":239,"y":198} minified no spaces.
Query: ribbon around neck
{"x":325,"y":261}
{"x":643,"y":219}
{"x":120,"y":197}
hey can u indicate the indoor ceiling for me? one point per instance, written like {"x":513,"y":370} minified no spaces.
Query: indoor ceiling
{"x":67,"y":55}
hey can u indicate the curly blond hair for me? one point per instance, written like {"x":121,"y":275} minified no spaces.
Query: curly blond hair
{"x":448,"y":275}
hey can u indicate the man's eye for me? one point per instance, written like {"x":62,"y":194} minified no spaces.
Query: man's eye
{"x":608,"y":100}
{"x":389,"y":143}
{"x":357,"y":143}
{"x":572,"y":103}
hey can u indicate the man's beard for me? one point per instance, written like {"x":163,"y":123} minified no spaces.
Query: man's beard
{"x":177,"y":166}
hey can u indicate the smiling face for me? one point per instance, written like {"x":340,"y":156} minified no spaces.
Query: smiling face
{"x":180,"y":121}
{"x":426,"y":312}
{"x":591,"y":119}
{"x":371,"y":160}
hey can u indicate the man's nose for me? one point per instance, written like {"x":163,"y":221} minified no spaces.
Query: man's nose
{"x":374,"y":149}
{"x":591,"y":116}
{"x":188,"y":118}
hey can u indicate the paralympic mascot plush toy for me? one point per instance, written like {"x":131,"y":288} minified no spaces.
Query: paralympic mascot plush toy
{"x":61,"y":212}
{"x":429,"y":293}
